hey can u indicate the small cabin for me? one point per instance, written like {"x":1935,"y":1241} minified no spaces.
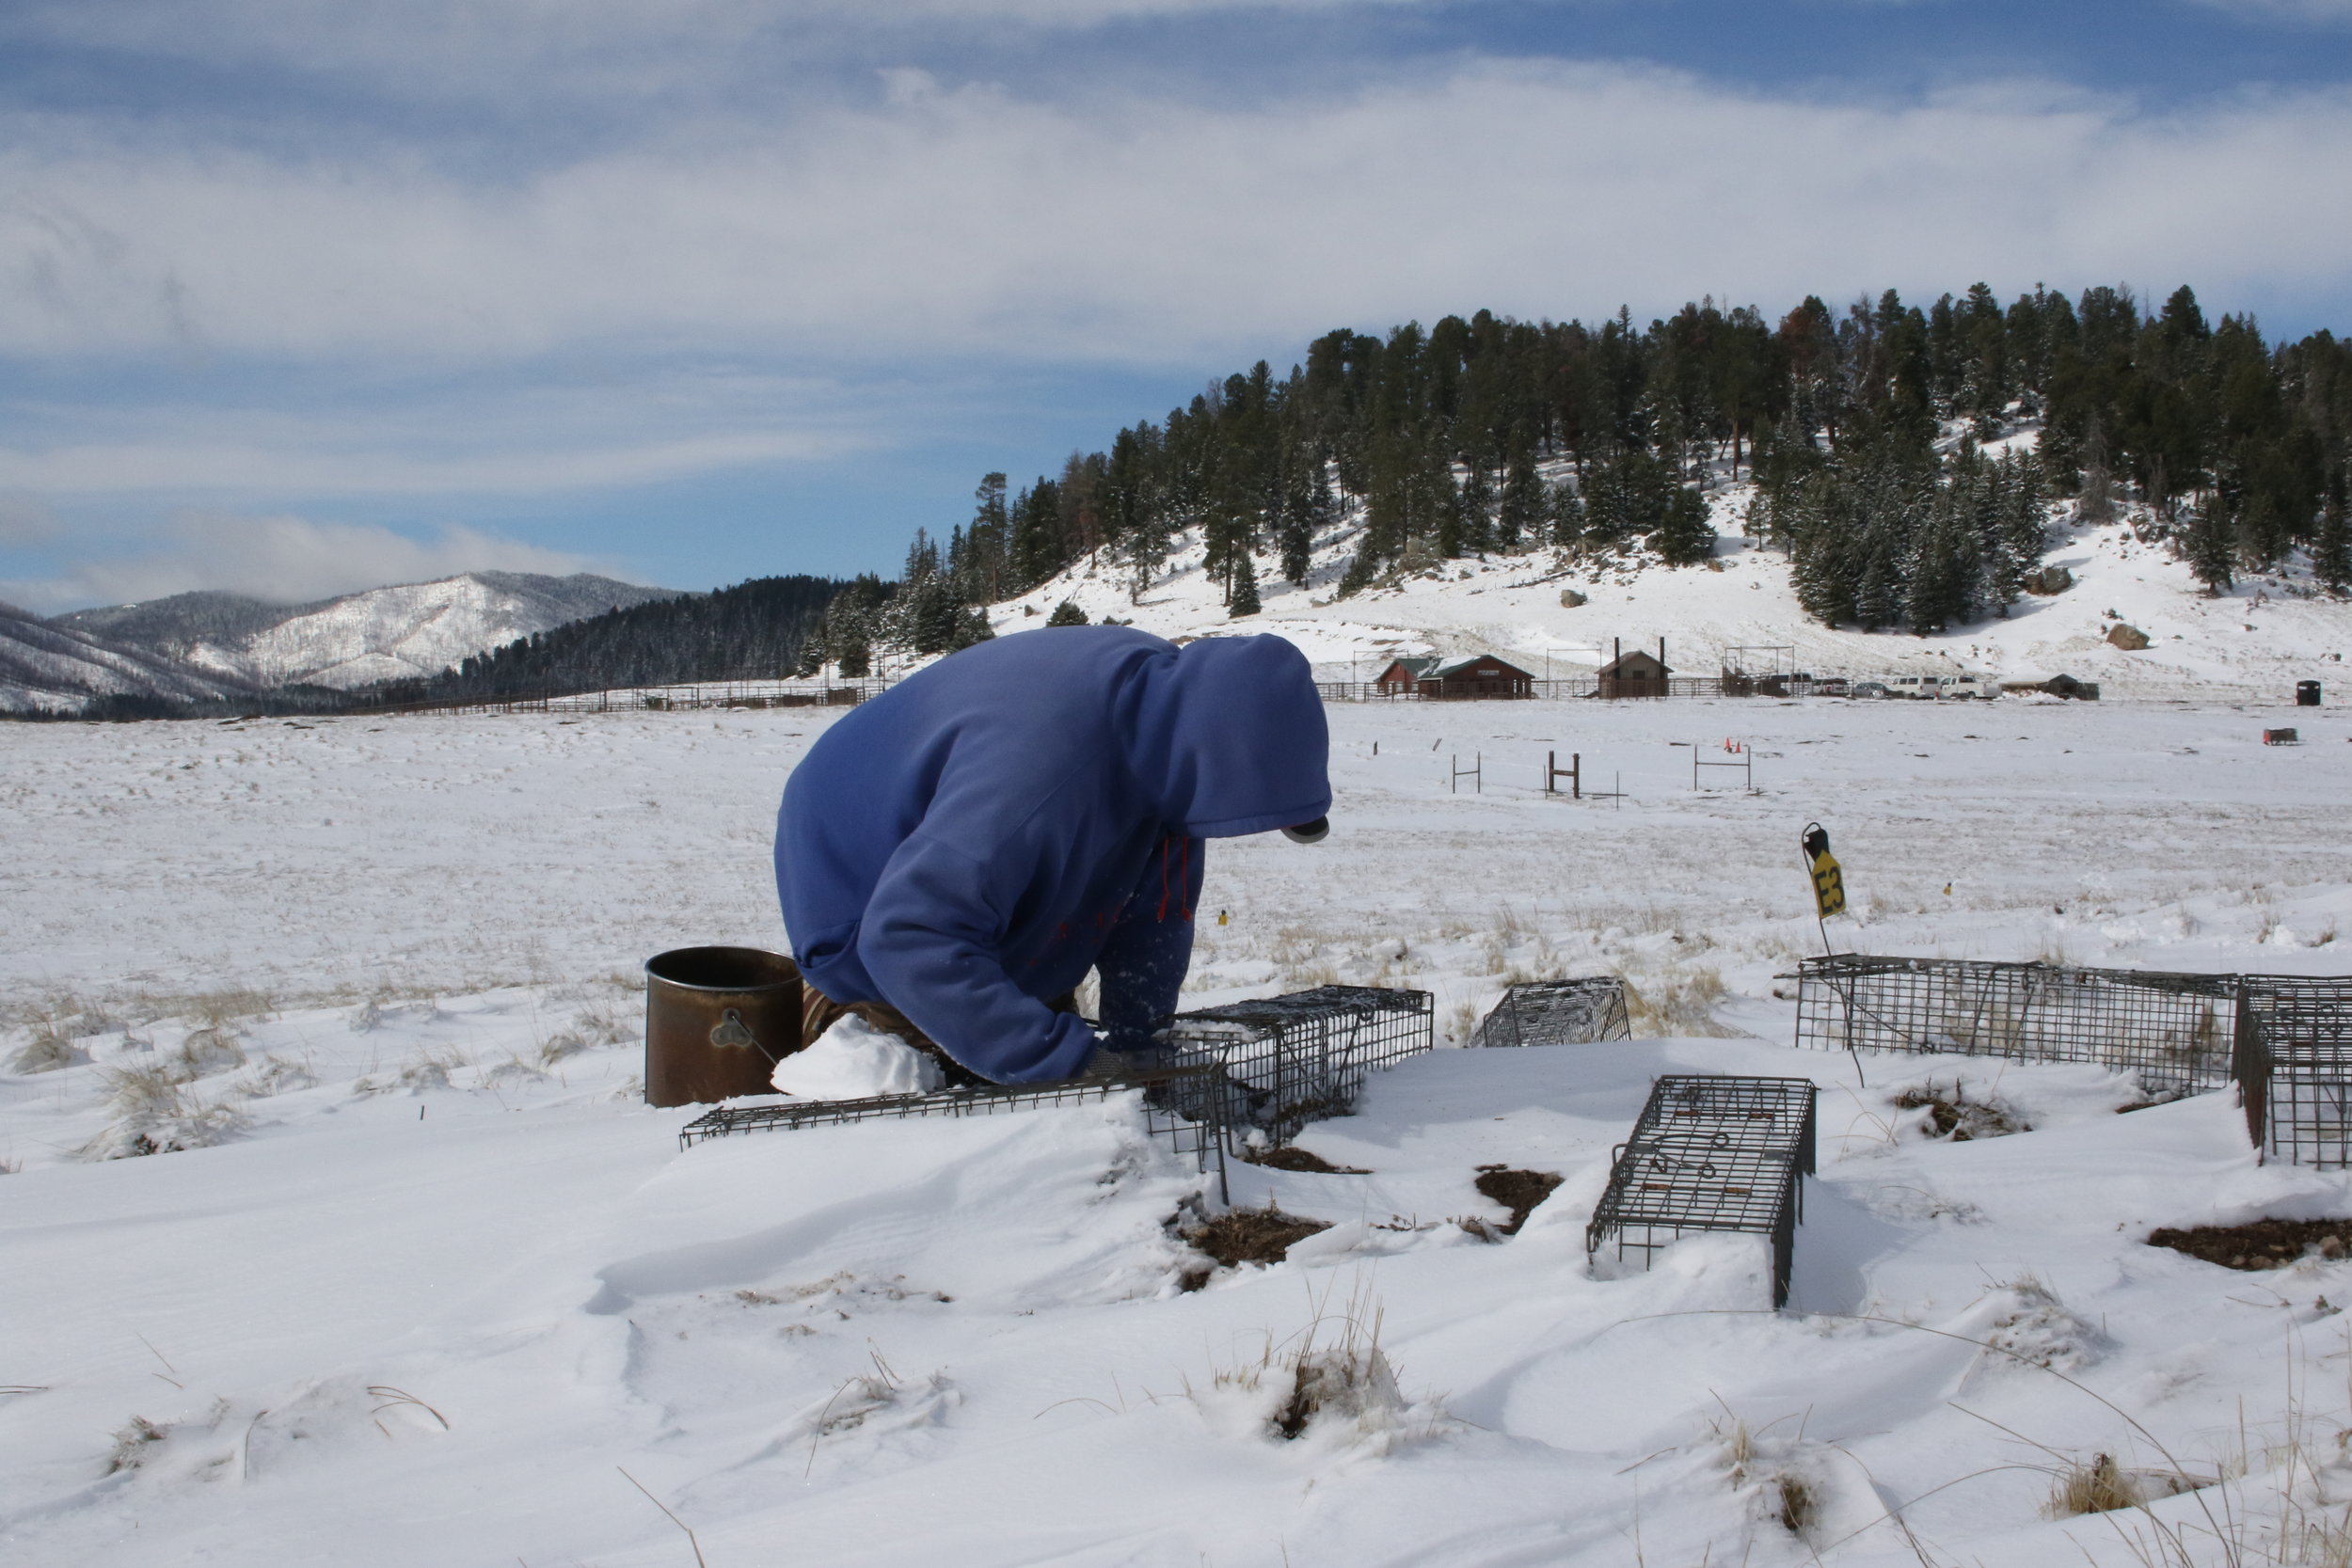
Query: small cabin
{"x":1635,"y":675}
{"x":1483,"y":675}
{"x":1402,"y":678}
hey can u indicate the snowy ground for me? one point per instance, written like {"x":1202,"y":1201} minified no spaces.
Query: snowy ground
{"x":441,"y":1279}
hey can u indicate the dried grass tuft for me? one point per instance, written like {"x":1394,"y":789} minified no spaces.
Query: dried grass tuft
{"x":48,"y":1049}
{"x":2101,"y":1486}
{"x":1955,"y":1115}
{"x":132,"y":1441}
{"x":1800,"y":1506}
{"x":1678,"y":1004}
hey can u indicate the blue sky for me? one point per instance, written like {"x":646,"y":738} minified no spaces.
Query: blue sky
{"x":297,"y":297}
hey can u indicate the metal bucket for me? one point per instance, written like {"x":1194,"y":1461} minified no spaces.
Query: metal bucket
{"x":718,"y":1020}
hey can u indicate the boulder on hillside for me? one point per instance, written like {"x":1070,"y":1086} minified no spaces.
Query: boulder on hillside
{"x":2046,"y":580}
{"x":2127,"y":636}
{"x":1571,"y":599}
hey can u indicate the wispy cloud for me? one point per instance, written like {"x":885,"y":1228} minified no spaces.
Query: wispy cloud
{"x":2327,"y":12}
{"x":25,"y":520}
{"x":234,"y":465}
{"x":977,"y":222}
{"x":287,"y":558}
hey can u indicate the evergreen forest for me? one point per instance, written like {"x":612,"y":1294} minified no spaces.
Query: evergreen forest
{"x":756,"y":630}
{"x":1864,"y":431}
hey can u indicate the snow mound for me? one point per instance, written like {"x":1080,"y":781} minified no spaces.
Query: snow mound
{"x":854,"y":1060}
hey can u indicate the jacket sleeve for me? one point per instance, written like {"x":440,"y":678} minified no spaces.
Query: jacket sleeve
{"x":932,"y":940}
{"x":1143,"y":964}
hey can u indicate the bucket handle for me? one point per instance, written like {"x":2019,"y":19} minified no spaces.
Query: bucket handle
{"x":731,"y":1035}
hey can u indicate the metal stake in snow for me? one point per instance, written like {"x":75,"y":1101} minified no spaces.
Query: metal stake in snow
{"x":1829,"y":898}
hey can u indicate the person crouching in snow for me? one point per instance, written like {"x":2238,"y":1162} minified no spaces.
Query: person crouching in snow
{"x":953,"y":856}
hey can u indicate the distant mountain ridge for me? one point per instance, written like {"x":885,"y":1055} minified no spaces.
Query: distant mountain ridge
{"x":407,"y":631}
{"x":49,"y":667}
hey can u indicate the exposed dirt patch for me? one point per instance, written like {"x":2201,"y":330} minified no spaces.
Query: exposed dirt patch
{"x":1518,"y":1190}
{"x":1300,"y":1158}
{"x":2262,"y":1244}
{"x":1958,"y":1118}
{"x":1247,"y":1236}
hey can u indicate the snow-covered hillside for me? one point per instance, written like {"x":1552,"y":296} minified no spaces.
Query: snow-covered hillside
{"x":49,"y":667}
{"x":382,"y":634}
{"x":2260,"y":637}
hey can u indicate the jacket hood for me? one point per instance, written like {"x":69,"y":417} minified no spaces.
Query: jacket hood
{"x":1227,"y":737}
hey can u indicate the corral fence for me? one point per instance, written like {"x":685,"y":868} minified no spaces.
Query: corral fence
{"x":1539,"y":690}
{"x":2285,"y":1041}
{"x":658,"y":699}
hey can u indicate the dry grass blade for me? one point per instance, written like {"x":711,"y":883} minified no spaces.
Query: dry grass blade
{"x":673,"y":1518}
{"x":391,"y":1397}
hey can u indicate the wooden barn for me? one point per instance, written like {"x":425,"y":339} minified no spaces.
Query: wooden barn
{"x":1402,"y":678}
{"x":1483,"y":675}
{"x":1635,"y":675}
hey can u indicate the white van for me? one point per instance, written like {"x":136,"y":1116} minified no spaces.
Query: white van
{"x":1941,"y":688}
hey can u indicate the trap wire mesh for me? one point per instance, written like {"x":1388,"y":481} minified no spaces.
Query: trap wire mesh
{"x":2176,"y":1030}
{"x":2294,"y":1067}
{"x":1712,"y":1152}
{"x":1275,"y":1064}
{"x":1557,"y":1012}
{"x":1165,"y":1090}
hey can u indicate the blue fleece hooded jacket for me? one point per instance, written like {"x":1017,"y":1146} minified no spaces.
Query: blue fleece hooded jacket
{"x":974,"y":840}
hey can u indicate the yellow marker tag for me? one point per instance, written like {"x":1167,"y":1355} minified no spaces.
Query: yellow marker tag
{"x":1829,"y":885}
{"x":1220,"y":917}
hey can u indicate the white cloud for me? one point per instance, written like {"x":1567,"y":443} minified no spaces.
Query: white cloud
{"x":973,"y":222}
{"x":2322,"y":11}
{"x":170,"y":466}
{"x":25,"y":520}
{"x":287,"y":559}
{"x":472,"y":48}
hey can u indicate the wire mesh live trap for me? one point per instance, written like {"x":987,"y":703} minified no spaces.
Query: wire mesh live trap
{"x":2294,"y":1067}
{"x":1557,"y":1012}
{"x":1264,"y":1068}
{"x":1193,"y":1088}
{"x":1282,"y":1062}
{"x":2174,"y":1030}
{"x":1712,"y":1152}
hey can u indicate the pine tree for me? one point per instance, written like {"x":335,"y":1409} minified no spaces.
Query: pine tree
{"x":1306,"y":514}
{"x":1521,"y":518}
{"x":1067,"y":614}
{"x":1476,"y":511}
{"x":1244,"y":599}
{"x":2331,"y":549}
{"x":967,"y":627}
{"x":2208,"y":542}
{"x":1683,"y":536}
{"x":1565,"y":512}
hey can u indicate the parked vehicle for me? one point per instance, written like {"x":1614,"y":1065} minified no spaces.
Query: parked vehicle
{"x":1938,"y":689}
{"x":1869,"y":689}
